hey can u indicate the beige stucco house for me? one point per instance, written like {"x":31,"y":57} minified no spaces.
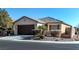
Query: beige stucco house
{"x":25,"y":26}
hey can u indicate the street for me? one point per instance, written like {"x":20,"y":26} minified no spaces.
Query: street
{"x":26,"y":45}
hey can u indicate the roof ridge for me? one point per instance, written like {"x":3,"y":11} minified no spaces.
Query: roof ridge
{"x":54,"y":19}
{"x":50,"y":18}
{"x":28,"y":18}
{"x":25,"y":17}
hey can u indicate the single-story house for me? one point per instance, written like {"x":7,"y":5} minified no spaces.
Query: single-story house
{"x":25,"y":26}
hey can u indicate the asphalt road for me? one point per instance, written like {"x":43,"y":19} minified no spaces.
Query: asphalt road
{"x":25,"y":45}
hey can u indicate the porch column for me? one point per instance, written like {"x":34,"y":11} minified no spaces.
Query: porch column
{"x":60,"y":31}
{"x":59,"y":34}
{"x":15,"y":29}
{"x":48,"y":27}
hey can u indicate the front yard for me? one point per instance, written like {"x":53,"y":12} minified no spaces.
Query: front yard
{"x":31,"y":37}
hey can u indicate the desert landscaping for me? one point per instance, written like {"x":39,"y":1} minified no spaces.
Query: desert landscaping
{"x":26,"y":33}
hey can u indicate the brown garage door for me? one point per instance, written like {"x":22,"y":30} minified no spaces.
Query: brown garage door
{"x":25,"y":29}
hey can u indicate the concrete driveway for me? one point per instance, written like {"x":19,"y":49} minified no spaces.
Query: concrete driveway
{"x":29,"y":45}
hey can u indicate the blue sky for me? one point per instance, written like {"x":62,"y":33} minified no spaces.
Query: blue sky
{"x":68,"y":15}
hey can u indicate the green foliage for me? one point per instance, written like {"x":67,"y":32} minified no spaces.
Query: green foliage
{"x":42,"y":29}
{"x":5,"y":19}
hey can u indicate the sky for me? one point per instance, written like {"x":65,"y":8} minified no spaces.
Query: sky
{"x":68,"y":15}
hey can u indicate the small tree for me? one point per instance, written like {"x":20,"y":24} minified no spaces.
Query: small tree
{"x":5,"y":19}
{"x":42,"y":32}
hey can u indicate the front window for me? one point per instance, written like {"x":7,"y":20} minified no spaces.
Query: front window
{"x":54,"y":27}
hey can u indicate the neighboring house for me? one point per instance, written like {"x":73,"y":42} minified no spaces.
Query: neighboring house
{"x":76,"y":36}
{"x":25,"y":26}
{"x":76,"y":30}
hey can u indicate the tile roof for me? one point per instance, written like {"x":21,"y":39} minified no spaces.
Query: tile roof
{"x":50,"y":19}
{"x":24,"y":17}
{"x":43,"y":20}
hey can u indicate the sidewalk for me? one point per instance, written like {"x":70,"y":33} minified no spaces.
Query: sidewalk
{"x":20,"y":39}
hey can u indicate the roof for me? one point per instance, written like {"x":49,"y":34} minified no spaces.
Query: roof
{"x":43,"y":20}
{"x":50,"y":19}
{"x":40,"y":21}
{"x":24,"y":17}
{"x":28,"y":18}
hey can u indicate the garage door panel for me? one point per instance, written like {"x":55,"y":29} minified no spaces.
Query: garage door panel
{"x":25,"y":29}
